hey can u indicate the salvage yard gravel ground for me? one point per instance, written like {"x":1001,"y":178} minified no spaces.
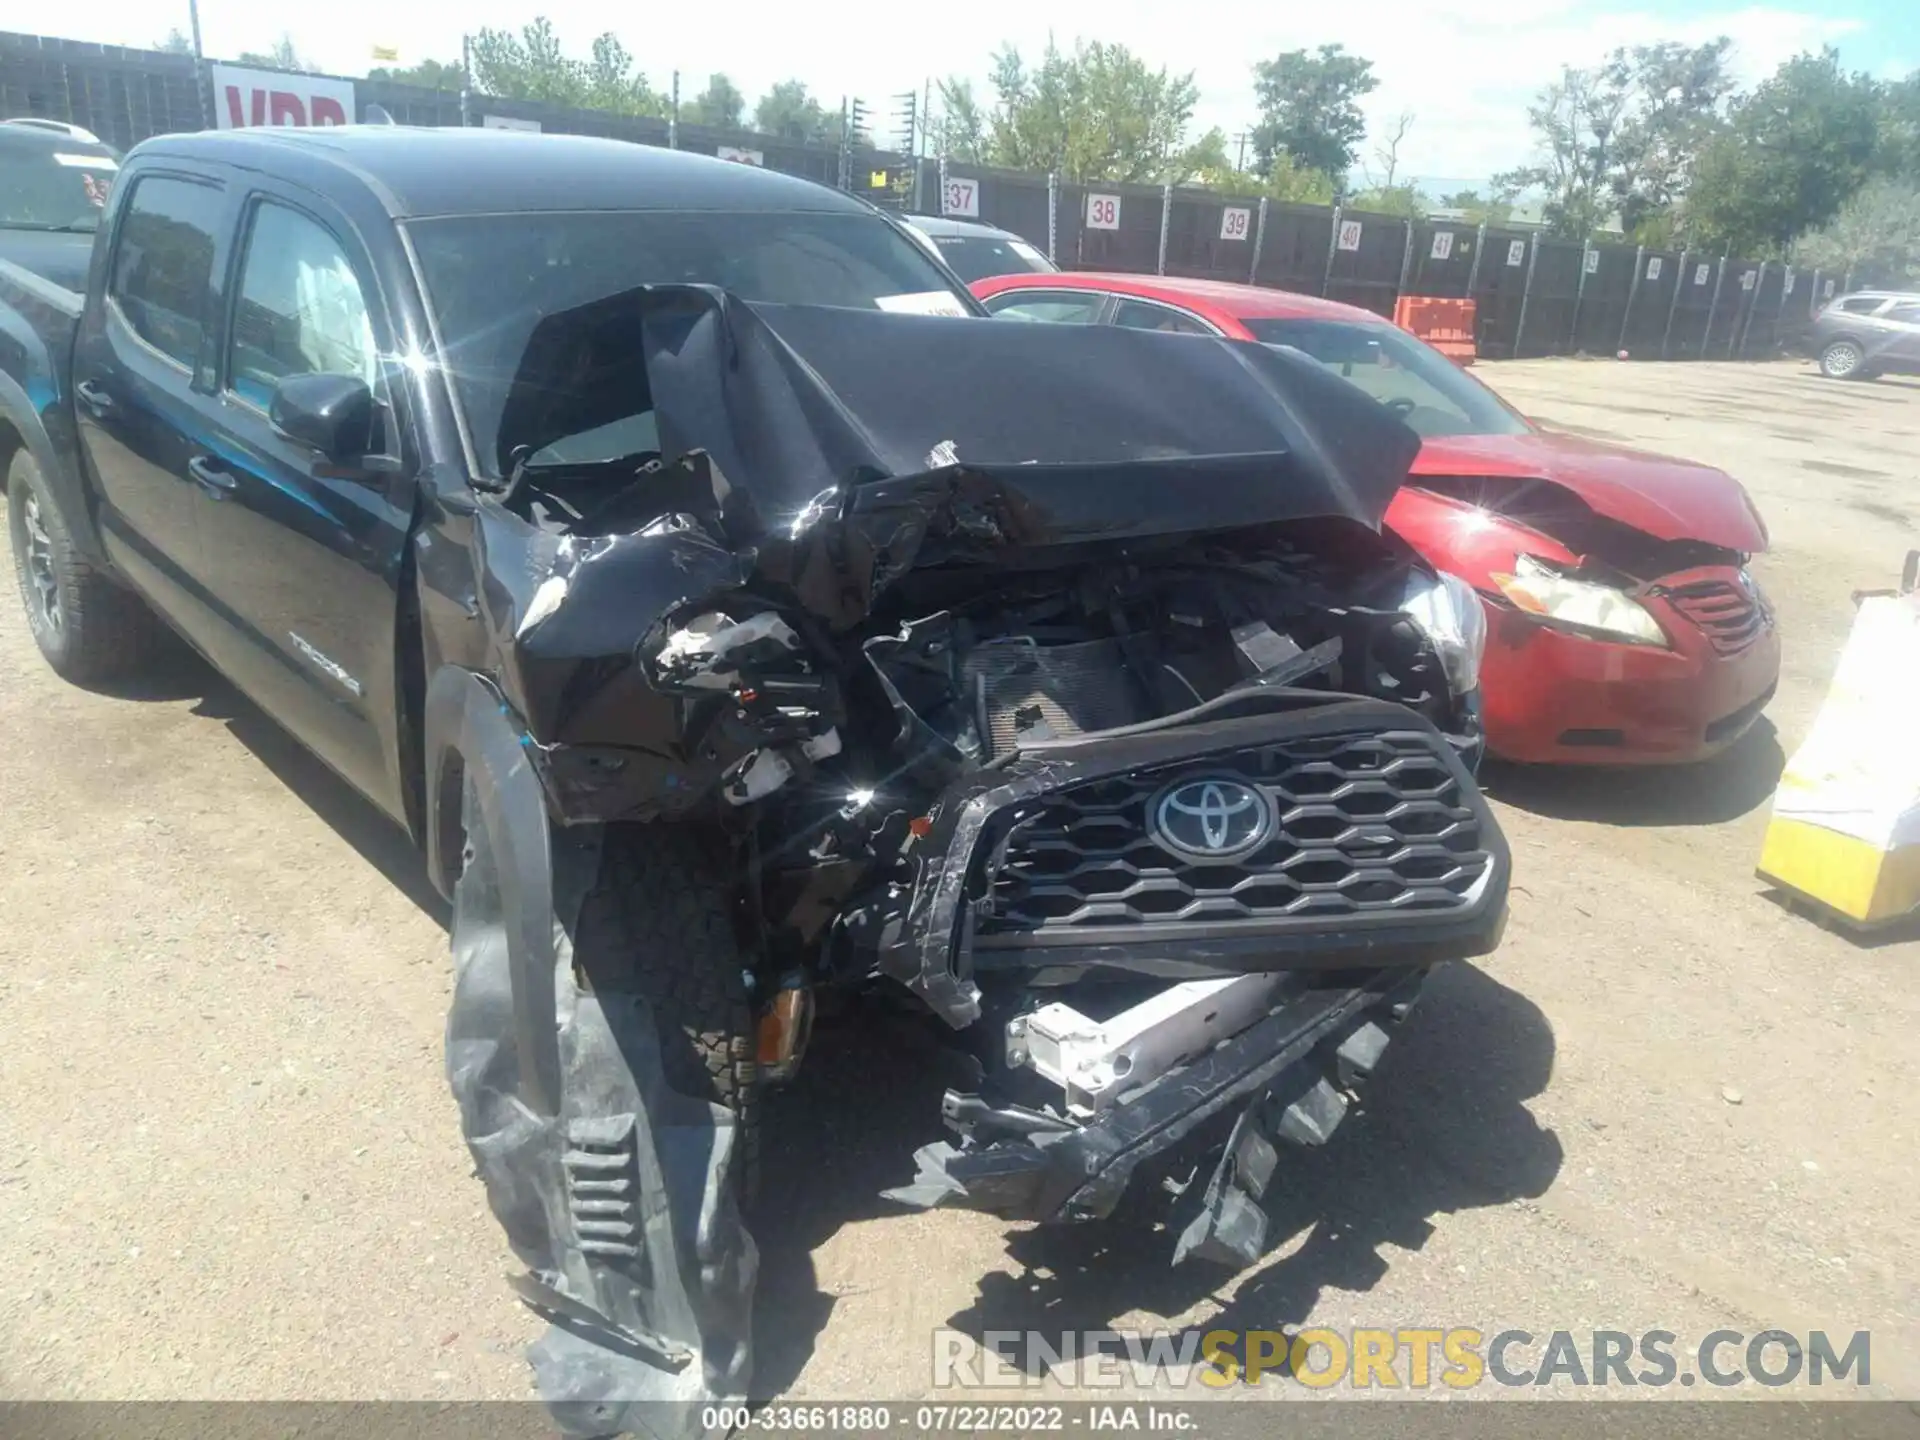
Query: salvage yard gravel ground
{"x":230,"y":1165}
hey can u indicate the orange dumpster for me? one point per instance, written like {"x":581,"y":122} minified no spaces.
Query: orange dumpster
{"x":1447,"y":325}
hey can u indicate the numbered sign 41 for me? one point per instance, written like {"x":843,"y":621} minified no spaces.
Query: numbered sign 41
{"x":1103,"y":212}
{"x":960,"y":196}
{"x":1236,"y":222}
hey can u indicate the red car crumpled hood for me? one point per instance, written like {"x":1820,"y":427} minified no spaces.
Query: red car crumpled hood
{"x":1668,"y":499}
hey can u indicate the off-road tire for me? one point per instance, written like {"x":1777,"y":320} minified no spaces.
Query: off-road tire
{"x":99,"y":630}
{"x":1844,"y":360}
{"x":660,"y":922}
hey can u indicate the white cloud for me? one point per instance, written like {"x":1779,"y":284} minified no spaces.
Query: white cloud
{"x":1465,"y":68}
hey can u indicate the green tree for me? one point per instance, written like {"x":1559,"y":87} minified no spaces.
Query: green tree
{"x":1287,"y":182}
{"x":961,"y":131}
{"x":281,"y":57}
{"x":788,"y":110}
{"x":176,"y":43}
{"x":1877,"y":232}
{"x":1793,"y":152}
{"x":1403,"y":201}
{"x":1623,"y":137}
{"x":531,"y":65}
{"x":1100,"y":113}
{"x":1898,"y":151}
{"x":1310,"y":109}
{"x":1576,"y":123}
{"x":720,"y":105}
{"x":1677,"y":102}
{"x":428,"y":74}
{"x":1476,"y":209}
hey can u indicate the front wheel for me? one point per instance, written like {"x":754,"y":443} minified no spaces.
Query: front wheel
{"x":659,"y":922}
{"x":1843,"y":360}
{"x":88,"y":628}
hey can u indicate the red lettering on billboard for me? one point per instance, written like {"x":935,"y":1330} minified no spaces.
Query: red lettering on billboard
{"x":287,"y":109}
{"x":327,"y":111}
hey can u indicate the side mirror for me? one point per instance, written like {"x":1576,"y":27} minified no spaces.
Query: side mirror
{"x":330,"y":413}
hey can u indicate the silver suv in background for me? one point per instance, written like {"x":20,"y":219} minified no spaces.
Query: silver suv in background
{"x":1868,"y":333}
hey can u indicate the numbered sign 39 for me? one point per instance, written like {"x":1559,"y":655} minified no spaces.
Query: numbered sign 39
{"x":1516,"y":252}
{"x":1442,"y":245}
{"x":960,"y":197}
{"x":1236,"y":222}
{"x":1349,"y":238}
{"x":1103,"y":212}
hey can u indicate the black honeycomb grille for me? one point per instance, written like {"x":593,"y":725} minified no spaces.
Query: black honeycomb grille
{"x":1365,"y":824}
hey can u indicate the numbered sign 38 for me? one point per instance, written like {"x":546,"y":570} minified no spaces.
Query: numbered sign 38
{"x":1516,"y":252}
{"x":1349,"y":235}
{"x":1103,"y":212}
{"x":960,"y":197}
{"x":1236,"y":222}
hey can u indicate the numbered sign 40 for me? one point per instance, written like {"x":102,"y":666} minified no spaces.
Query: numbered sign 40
{"x":960,"y":197}
{"x":1103,"y":212}
{"x":1236,"y":222}
{"x":1349,"y":238}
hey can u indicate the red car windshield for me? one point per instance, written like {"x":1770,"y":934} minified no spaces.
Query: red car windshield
{"x":1421,"y":386}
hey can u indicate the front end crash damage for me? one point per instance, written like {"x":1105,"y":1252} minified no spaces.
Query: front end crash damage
{"x":1062,"y":680}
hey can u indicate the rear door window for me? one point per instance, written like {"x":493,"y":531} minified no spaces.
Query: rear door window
{"x":163,"y":261}
{"x":1057,"y":309}
{"x":1143,"y":315}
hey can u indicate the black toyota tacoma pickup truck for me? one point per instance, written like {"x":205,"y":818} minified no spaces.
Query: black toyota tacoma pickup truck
{"x":731,"y":611}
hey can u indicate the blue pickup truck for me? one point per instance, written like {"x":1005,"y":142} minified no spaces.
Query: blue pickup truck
{"x":732,"y":612}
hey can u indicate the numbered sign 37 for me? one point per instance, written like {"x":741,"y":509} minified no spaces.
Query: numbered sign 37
{"x":960,"y":197}
{"x":1442,"y":245}
{"x":1103,"y":212}
{"x":1236,"y":222}
{"x":1516,"y":252}
{"x":1349,"y":235}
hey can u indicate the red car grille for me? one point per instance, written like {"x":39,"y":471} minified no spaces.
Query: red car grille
{"x":1730,"y":616}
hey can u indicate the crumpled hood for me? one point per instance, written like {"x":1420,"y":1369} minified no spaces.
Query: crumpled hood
{"x":801,"y":408}
{"x":1668,"y":499}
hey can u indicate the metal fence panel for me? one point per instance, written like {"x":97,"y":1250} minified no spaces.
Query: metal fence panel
{"x":1693,"y":308}
{"x":1603,"y":300}
{"x":1293,"y":253}
{"x":1368,"y":275}
{"x":123,"y":96}
{"x":1133,"y":247}
{"x":1442,"y":259}
{"x":1646,"y":321}
{"x":1762,"y":330}
{"x":1011,"y":200}
{"x":1553,"y":298}
{"x":1500,"y":291}
{"x":1211,"y":237}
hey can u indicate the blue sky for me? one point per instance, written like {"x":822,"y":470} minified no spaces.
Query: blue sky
{"x":1464,"y":68}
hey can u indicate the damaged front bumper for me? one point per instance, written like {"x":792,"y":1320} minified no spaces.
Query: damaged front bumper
{"x":1381,"y":852}
{"x":1287,"y":1077}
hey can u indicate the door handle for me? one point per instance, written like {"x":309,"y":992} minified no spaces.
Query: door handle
{"x":89,"y":393}
{"x":211,"y":476}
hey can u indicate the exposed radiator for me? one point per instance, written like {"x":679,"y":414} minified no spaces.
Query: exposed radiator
{"x":1020,"y":689}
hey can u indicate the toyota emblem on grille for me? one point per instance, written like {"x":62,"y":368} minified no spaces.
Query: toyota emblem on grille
{"x":1211,"y":819}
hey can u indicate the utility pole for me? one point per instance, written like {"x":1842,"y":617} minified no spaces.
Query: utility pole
{"x":673,"y":115}
{"x":466,"y":82}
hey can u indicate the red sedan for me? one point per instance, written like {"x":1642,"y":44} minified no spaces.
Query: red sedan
{"x":1622,"y":623}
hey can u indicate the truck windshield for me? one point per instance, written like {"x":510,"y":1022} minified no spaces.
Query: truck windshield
{"x":1419,"y":384}
{"x":45,"y":187}
{"x":491,"y":278}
